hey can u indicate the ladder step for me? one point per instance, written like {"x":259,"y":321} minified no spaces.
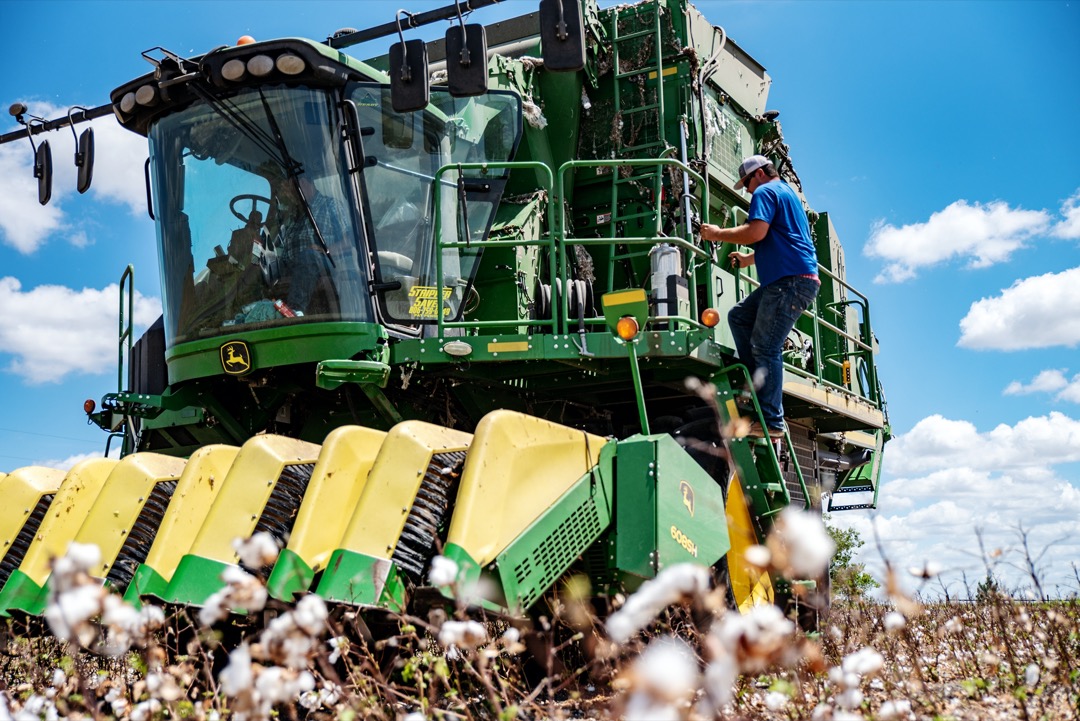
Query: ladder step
{"x":624,"y":218}
{"x":644,"y":146}
{"x":639,"y":71}
{"x":634,"y":179}
{"x":635,"y":34}
{"x":633,"y":110}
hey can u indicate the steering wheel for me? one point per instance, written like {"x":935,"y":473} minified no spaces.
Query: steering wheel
{"x":255,"y":199}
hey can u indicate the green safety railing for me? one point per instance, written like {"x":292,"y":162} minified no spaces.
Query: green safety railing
{"x":547,"y":239}
{"x":693,"y":251}
{"x":698,"y":259}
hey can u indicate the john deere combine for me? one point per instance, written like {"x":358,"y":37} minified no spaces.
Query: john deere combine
{"x":404,"y":318}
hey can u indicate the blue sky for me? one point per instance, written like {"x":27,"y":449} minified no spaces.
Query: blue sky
{"x":940,"y":137}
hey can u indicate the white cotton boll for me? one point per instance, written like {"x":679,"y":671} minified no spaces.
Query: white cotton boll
{"x":463,"y":634}
{"x":719,"y":679}
{"x":59,"y":678}
{"x":214,"y":610}
{"x":145,"y":710}
{"x":238,"y":676}
{"x":258,"y":551}
{"x":668,"y":669}
{"x":511,"y":636}
{"x":928,"y":570}
{"x":311,"y":614}
{"x":760,"y":631}
{"x":894,"y":621}
{"x":810,"y":548}
{"x":69,"y":612}
{"x":415,"y":716}
{"x":643,"y":707}
{"x":309,"y":700}
{"x":669,"y":587}
{"x":822,"y":712}
{"x":775,"y":701}
{"x":850,"y":699}
{"x":899,"y":710}
{"x":1031,"y":674}
{"x":443,"y":571}
{"x":841,"y":715}
{"x":864,"y":662}
{"x":338,"y":646}
{"x":83,"y":556}
{"x":119,"y":613}
{"x":758,"y":555}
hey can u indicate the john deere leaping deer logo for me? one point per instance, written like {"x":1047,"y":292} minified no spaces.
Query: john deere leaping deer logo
{"x":235,"y":358}
{"x":687,"y":496}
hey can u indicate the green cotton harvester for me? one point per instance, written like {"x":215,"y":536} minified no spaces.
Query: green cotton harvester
{"x":451,"y":301}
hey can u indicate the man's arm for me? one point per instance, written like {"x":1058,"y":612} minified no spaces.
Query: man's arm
{"x":746,"y":234}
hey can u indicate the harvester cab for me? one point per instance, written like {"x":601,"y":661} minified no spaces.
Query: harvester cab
{"x":470,"y":316}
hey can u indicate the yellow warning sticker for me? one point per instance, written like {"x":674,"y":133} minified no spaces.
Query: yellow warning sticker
{"x":515,"y":347}
{"x":425,"y":301}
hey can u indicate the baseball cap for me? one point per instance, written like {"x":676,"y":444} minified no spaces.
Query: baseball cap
{"x":750,"y":165}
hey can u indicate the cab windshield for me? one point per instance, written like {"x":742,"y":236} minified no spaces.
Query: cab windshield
{"x":409,"y":208}
{"x":256,"y":217}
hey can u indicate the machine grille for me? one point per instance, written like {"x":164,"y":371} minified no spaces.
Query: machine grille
{"x":416,"y":546}
{"x":14,"y":557}
{"x":569,"y":539}
{"x":141,"y":536}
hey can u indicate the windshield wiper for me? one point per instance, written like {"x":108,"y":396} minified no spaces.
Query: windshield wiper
{"x":294,"y":169}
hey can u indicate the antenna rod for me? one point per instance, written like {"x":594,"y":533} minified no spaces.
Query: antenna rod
{"x":424,"y":18}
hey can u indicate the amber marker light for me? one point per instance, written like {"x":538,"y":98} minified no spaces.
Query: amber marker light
{"x":245,"y":40}
{"x":626,"y":328}
{"x":88,"y":406}
{"x":710,"y":317}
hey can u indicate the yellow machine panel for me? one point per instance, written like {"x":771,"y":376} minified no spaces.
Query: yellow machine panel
{"x":517,"y":467}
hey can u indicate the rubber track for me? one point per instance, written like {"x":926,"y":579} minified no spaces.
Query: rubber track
{"x":281,"y":508}
{"x":141,"y":536}
{"x":429,"y":512}
{"x":14,"y":556}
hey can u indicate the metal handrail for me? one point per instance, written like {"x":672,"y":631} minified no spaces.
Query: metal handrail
{"x":440,"y":245}
{"x":686,"y":243}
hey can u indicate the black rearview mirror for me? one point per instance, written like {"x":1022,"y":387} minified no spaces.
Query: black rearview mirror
{"x":43,"y":171}
{"x":409,"y":89}
{"x":84,"y":160}
{"x":466,"y":60}
{"x":562,"y":35}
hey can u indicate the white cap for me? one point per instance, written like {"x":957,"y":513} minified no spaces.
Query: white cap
{"x":749,"y":166}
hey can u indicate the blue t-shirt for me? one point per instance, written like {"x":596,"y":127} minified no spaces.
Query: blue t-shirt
{"x":788,"y":248}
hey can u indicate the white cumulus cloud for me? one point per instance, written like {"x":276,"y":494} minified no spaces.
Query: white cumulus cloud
{"x":946,"y":481}
{"x":66,"y":464}
{"x":25,"y":225}
{"x":1038,"y":312}
{"x":52,"y":331}
{"x":939,"y":443}
{"x":1069,"y":226}
{"x":1054,"y":381}
{"x":1047,"y":381}
{"x":984,"y":234}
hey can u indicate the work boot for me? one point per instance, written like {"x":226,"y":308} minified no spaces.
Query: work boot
{"x":756,"y":431}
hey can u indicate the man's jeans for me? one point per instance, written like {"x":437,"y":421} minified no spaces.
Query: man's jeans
{"x":760,"y":323}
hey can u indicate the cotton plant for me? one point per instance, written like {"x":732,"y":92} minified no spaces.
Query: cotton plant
{"x":81,"y":610}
